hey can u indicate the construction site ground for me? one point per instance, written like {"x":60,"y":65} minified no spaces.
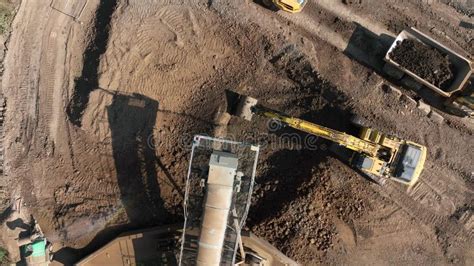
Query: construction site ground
{"x":89,"y":163}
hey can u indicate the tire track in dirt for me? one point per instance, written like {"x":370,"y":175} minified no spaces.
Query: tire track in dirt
{"x":47,"y":86}
{"x":20,"y":83}
{"x":450,"y":227}
{"x":426,"y":194}
{"x":339,"y":9}
{"x":167,"y":57}
{"x":52,"y":72}
{"x":308,"y":23}
{"x":382,"y":226}
{"x":446,"y":182}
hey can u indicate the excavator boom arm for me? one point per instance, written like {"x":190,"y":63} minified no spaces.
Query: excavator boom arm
{"x":346,"y":140}
{"x":377,"y":153}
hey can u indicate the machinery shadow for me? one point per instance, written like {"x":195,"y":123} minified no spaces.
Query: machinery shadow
{"x":369,"y":49}
{"x":296,"y":164}
{"x":17,"y":223}
{"x":340,"y":120}
{"x":284,"y":182}
{"x":89,"y":79}
{"x":5,"y":214}
{"x":70,"y":256}
{"x":131,"y":119}
{"x":466,"y":25}
{"x":269,"y":5}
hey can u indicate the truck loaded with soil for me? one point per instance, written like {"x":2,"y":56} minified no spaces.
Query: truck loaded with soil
{"x":416,"y":59}
{"x":427,"y":62}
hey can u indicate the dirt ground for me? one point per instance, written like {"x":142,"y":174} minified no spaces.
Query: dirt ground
{"x":104,"y":97}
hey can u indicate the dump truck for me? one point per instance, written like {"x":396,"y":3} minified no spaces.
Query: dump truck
{"x":458,"y":96}
{"x":375,"y":154}
{"x":292,"y":6}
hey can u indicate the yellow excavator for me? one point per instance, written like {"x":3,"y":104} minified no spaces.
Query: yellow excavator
{"x":374,"y":153}
{"x":292,"y":6}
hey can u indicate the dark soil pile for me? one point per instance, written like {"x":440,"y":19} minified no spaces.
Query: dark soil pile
{"x":426,"y":62}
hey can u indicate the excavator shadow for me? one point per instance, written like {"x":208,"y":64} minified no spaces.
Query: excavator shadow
{"x":339,"y":119}
{"x":89,"y":79}
{"x":296,"y":163}
{"x":283,"y":182}
{"x":131,"y":119}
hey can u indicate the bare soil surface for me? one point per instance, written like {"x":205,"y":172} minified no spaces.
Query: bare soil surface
{"x":426,"y":62}
{"x":108,"y":94}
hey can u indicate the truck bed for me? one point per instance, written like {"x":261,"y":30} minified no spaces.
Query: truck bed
{"x":462,"y":66}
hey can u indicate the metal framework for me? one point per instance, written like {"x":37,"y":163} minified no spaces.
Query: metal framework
{"x":202,"y":149}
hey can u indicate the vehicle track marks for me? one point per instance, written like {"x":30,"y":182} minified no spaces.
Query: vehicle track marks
{"x":451,"y":227}
{"x":423,"y":192}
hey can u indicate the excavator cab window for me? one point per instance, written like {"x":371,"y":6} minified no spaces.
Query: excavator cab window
{"x":408,"y":162}
{"x":362,"y":162}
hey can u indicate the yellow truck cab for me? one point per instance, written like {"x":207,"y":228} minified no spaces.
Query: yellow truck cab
{"x":292,"y":6}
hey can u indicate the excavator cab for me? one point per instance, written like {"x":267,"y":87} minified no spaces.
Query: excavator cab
{"x":409,"y":164}
{"x":405,"y":168}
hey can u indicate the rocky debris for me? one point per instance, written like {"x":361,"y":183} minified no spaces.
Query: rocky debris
{"x":308,"y":220}
{"x":436,"y":117}
{"x":425,"y":61}
{"x":425,"y":108}
{"x":323,"y":240}
{"x":409,"y":101}
{"x":391,"y":89}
